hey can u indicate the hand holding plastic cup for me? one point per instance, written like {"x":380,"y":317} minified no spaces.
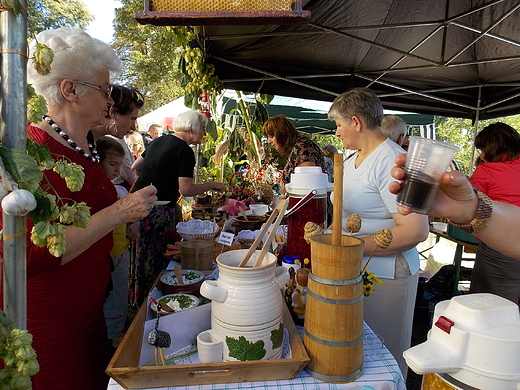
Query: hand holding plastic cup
{"x":426,"y":162}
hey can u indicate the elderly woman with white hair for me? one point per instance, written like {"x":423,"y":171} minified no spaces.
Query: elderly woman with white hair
{"x":65,"y":295}
{"x":168,"y":164}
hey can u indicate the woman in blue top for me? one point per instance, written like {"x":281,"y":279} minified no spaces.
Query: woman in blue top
{"x":389,"y":310}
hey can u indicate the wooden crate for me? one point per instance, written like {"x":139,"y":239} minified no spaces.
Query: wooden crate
{"x":125,"y":370}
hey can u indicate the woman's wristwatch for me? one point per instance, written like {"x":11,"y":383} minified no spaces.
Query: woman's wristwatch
{"x":481,"y":220}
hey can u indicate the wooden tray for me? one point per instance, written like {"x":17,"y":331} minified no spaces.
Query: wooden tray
{"x":125,"y":370}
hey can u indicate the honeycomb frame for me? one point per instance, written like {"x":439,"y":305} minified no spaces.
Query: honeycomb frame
{"x":221,"y":5}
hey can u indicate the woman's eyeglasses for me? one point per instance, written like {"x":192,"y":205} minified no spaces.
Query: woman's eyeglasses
{"x":106,"y":90}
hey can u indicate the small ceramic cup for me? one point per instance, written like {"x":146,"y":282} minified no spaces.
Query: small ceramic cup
{"x":209,"y":350}
{"x":259,"y":209}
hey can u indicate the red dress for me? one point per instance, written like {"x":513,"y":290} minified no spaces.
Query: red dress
{"x":65,"y":302}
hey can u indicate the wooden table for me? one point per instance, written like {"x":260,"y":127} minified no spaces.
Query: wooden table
{"x":462,"y":247}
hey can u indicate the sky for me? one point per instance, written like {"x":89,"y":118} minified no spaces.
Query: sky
{"x":103,"y":11}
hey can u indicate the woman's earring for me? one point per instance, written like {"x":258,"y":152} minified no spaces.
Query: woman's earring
{"x":111,"y":128}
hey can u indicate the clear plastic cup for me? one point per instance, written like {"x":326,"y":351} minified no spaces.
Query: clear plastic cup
{"x":426,"y":161}
{"x":374,"y":346}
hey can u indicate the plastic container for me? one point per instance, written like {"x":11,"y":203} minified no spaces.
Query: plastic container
{"x":288,"y":262}
{"x":475,"y":339}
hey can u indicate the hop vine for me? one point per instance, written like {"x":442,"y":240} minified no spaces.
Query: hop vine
{"x":198,"y":75}
{"x":19,"y":357}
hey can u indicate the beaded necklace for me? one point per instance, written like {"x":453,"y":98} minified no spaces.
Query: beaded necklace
{"x":91,"y":157}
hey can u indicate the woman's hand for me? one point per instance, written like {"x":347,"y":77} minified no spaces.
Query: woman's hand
{"x":454,"y":199}
{"x":132,"y":231}
{"x":216,"y":186}
{"x":136,"y":205}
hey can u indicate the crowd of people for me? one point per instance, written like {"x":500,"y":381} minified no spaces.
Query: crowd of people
{"x":113,"y":262}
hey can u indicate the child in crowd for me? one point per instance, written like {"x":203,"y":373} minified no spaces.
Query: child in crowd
{"x":116,"y":305}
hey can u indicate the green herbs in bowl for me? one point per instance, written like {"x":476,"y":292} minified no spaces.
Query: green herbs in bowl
{"x":172,"y":303}
{"x":192,"y":281}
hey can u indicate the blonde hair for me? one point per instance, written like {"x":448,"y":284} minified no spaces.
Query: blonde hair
{"x":135,"y":138}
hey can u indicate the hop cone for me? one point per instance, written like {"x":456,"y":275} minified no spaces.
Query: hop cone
{"x":353,"y":223}
{"x":43,"y":57}
{"x":383,"y":238}
{"x":311,"y":229}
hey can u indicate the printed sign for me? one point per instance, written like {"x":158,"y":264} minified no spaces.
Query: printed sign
{"x":226,"y":238}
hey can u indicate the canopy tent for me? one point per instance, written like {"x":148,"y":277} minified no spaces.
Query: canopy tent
{"x":162,"y":116}
{"x":458,"y":58}
{"x":308,"y":116}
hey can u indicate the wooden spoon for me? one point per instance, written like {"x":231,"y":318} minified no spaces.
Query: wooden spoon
{"x":159,"y":307}
{"x":281,"y":213}
{"x":178,"y":274}
{"x":243,"y":213}
{"x":263,"y":231}
{"x":337,"y":210}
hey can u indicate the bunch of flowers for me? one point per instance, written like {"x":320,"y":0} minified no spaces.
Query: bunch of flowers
{"x":256,"y":185}
{"x":382,"y":239}
{"x":369,"y":279}
{"x":305,"y":264}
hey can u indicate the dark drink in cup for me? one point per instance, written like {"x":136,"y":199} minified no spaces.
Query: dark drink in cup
{"x":426,"y":161}
{"x":417,"y":191}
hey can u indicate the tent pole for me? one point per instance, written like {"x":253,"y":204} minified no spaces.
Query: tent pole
{"x":13,"y":92}
{"x":475,"y":130}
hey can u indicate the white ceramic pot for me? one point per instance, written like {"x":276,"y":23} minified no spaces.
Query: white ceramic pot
{"x":246,"y":307}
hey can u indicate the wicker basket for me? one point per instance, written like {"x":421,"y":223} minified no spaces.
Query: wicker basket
{"x":197,"y":229}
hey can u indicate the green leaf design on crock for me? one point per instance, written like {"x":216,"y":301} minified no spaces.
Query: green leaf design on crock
{"x":243,"y":350}
{"x":277,"y":337}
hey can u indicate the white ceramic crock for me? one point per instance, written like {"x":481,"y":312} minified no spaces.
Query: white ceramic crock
{"x":246,"y":307}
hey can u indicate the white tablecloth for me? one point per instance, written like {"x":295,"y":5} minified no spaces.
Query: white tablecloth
{"x":378,"y":374}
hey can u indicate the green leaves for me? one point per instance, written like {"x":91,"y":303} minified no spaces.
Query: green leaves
{"x":44,"y":208}
{"x":45,"y":234}
{"x":243,"y":350}
{"x":277,"y":337}
{"x":22,"y":167}
{"x":52,"y":213}
{"x":36,"y":108}
{"x":14,"y":5}
{"x":72,"y":173}
{"x":41,"y":231}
